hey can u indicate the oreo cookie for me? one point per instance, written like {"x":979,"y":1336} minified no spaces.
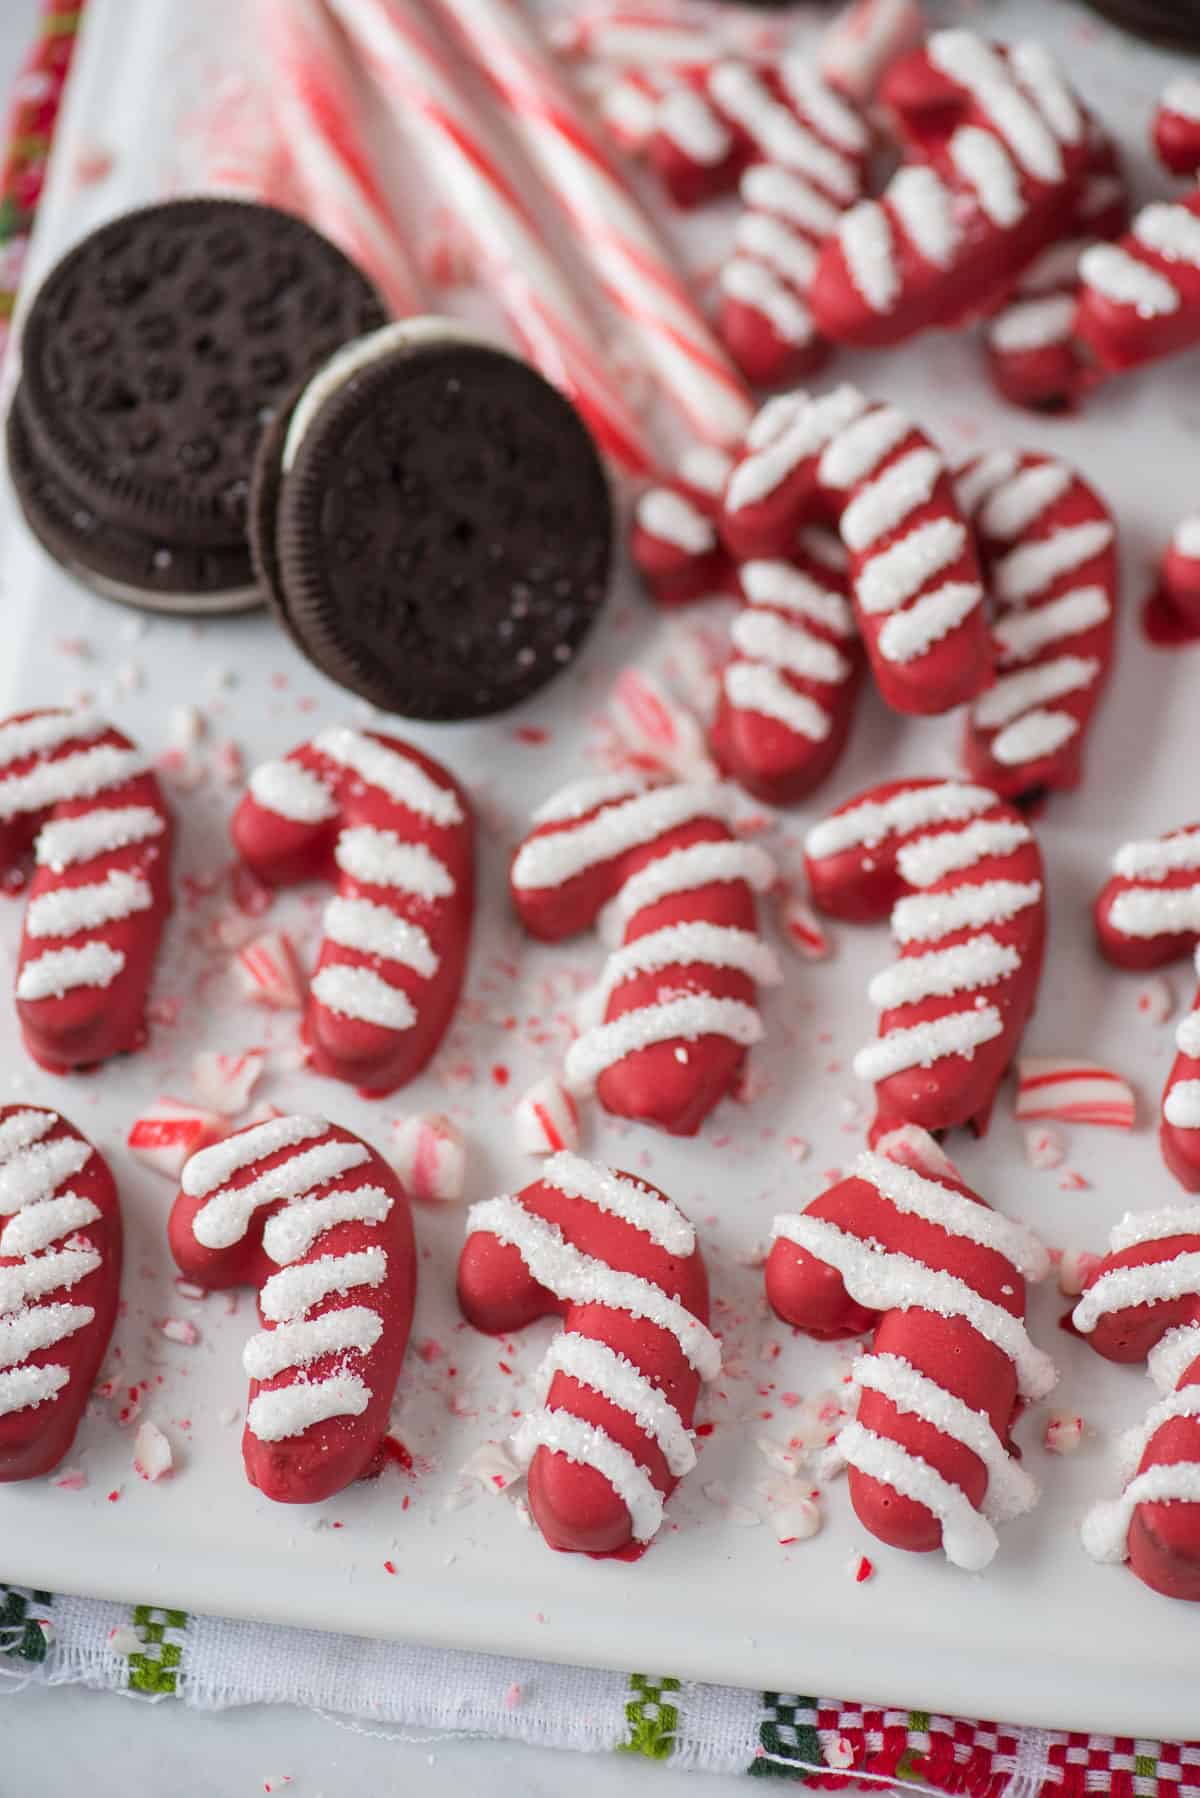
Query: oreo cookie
{"x":432,"y":523}
{"x":152,"y":356}
{"x":1172,"y":22}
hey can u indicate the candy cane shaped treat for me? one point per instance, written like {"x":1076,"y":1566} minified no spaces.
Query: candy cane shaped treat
{"x":674,"y":538}
{"x":1148,"y":914}
{"x":1180,"y":572}
{"x":961,"y":874}
{"x":319,"y":1224}
{"x":1139,"y":298}
{"x":997,"y":148}
{"x":675,"y":1012}
{"x":1048,"y":546}
{"x":316,"y":106}
{"x":76,"y":792}
{"x":1142,"y":1303}
{"x":870,"y":472}
{"x":620,"y":1264}
{"x":60,"y":1272}
{"x":941,"y":1279}
{"x":395,"y":831}
{"x":415,"y":73}
{"x":612,"y":232}
{"x":1176,"y":128}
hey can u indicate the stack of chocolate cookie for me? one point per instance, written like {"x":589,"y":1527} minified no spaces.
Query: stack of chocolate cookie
{"x":211,"y":410}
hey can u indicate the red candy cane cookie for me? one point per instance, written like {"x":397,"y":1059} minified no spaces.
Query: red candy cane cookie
{"x":60,"y":1272}
{"x":1148,"y":914}
{"x":1139,"y":298}
{"x":869,"y":471}
{"x":394,"y":830}
{"x":675,"y":1009}
{"x":319,"y":1224}
{"x":961,"y":874}
{"x":1048,"y":546}
{"x":941,"y":1277}
{"x":1142,"y":1302}
{"x":78,"y":794}
{"x":1179,"y":576}
{"x":620,"y":1264}
{"x":998,"y":146}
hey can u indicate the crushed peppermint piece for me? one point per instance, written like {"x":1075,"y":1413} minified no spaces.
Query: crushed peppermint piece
{"x":152,"y":1454}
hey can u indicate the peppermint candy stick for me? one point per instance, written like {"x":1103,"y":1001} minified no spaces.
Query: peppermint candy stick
{"x":614,"y":234}
{"x":315,"y":106}
{"x":542,"y":309}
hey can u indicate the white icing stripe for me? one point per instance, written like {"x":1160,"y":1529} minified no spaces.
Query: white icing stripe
{"x":926,"y":860}
{"x":61,"y":971}
{"x":1042,"y":80}
{"x":885,"y":1280}
{"x":975,"y":65}
{"x":1187,"y":1035}
{"x":755,"y":687}
{"x":1115,"y":275}
{"x":1145,"y":1284}
{"x":858,"y":450}
{"x":380,"y":858}
{"x":1133,"y":1443}
{"x":963,"y":969}
{"x":581,"y":1279}
{"x":822,"y":105}
{"x":765,"y":637}
{"x":562,"y":855}
{"x":286,"y":1411}
{"x":867,"y":825}
{"x":22,"y":1130}
{"x":924,"y":206}
{"x":622,"y":1197}
{"x":916,"y":1194}
{"x":865,"y":237}
{"x":682,"y":871}
{"x":25,"y":1332}
{"x":789,"y":434}
{"x":706,"y":467}
{"x":984,"y":165}
{"x":775,"y":243}
{"x":1029,"y":570}
{"x":79,"y":776}
{"x":921,"y":1045}
{"x":362,"y":994}
{"x":583,"y":1443}
{"x":1038,"y":734}
{"x":1159,"y":856}
{"x":967,"y":1537}
{"x":687,"y":944}
{"x":33,"y":1170}
{"x":24,"y":1388}
{"x":1185,"y":540}
{"x":1033,"y":324}
{"x":224,"y":1219}
{"x":746,"y":99}
{"x":673,"y":519}
{"x":45,"y":1273}
{"x":908,"y":634}
{"x":583,"y":796}
{"x":687,"y":1019}
{"x":787,"y":589}
{"x":1106,"y":1527}
{"x":374,"y":930}
{"x":1011,"y":508}
{"x":789,"y":196}
{"x":292,"y":791}
{"x":686,"y":119}
{"x":1172,"y":232}
{"x":926,"y":918}
{"x":1146,"y":912}
{"x":397,"y":776}
{"x":211,"y":1168}
{"x":65,"y":841}
{"x":38,"y":1226}
{"x":1182,"y":95}
{"x":878,"y":508}
{"x":903,"y":568}
{"x":65,"y":911}
{"x":288,"y":1294}
{"x":1022,"y":634}
{"x":1011,"y":1492}
{"x":1181,"y":1106}
{"x":289,"y":1234}
{"x":595,"y":1365}
{"x":45,"y":732}
{"x":973,"y":483}
{"x":1173,"y":1356}
{"x":272,"y":1352}
{"x":1014,"y":694}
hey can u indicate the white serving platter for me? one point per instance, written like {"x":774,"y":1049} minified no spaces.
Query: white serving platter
{"x":1044,"y":1637}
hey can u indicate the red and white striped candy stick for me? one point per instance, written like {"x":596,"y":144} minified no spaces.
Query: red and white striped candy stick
{"x":241,"y":151}
{"x":615,"y":236}
{"x":315,"y":106}
{"x":416,"y":76}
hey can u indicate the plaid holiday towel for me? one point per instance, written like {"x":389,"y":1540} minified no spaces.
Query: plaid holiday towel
{"x":211,"y":1662}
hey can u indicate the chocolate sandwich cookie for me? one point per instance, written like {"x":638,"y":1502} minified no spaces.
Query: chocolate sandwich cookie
{"x":432,"y":522}
{"x":1173,"y":22}
{"x":151,"y":358}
